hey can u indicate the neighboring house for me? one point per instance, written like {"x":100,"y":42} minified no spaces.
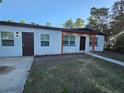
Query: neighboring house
{"x":18,"y":39}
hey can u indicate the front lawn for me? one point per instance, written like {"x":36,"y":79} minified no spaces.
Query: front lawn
{"x":78,"y":73}
{"x":112,"y":54}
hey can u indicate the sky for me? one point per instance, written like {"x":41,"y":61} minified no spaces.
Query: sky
{"x":53,"y":11}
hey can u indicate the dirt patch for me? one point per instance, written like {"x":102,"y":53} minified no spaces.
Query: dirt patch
{"x":6,"y":69}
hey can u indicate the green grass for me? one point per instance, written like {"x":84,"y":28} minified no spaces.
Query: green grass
{"x":113,"y":55}
{"x":74,"y":74}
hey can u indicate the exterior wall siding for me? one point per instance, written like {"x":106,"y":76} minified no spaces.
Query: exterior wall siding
{"x":16,"y":50}
{"x":76,"y":48}
{"x":100,"y":46}
{"x":55,"y":42}
{"x":72,"y":49}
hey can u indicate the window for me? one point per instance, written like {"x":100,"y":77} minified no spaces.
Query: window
{"x":69,"y":40}
{"x":91,"y":41}
{"x":72,"y":40}
{"x":44,"y":40}
{"x":96,"y":41}
{"x":66,"y":40}
{"x":7,"y":38}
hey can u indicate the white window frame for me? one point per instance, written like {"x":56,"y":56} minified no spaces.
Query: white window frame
{"x":7,"y":39}
{"x":45,"y":40}
{"x":69,"y":41}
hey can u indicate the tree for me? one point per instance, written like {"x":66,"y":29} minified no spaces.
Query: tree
{"x":79,"y":23}
{"x":22,"y":21}
{"x":101,"y":16}
{"x":118,"y":8}
{"x":33,"y":23}
{"x":68,"y":24}
{"x":48,"y":24}
{"x":92,"y":23}
{"x":11,"y":20}
{"x":98,"y":20}
{"x":117,"y":17}
{"x":117,"y":25}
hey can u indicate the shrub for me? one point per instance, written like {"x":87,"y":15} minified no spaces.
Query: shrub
{"x":66,"y":90}
{"x":120,"y":43}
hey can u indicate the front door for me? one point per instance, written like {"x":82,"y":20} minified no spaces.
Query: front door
{"x":82,"y":43}
{"x":28,"y":43}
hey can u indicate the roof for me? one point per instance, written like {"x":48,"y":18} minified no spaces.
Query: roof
{"x":79,"y":30}
{"x":85,"y":30}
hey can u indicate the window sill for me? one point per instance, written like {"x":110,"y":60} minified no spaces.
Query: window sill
{"x":69,"y":45}
{"x":45,"y":46}
{"x":7,"y":46}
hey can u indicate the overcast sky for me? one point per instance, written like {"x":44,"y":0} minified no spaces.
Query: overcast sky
{"x":54,"y":11}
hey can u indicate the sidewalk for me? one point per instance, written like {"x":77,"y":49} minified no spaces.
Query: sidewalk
{"x":106,"y":59}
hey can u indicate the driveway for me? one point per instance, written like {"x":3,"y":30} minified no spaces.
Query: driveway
{"x":13,"y":73}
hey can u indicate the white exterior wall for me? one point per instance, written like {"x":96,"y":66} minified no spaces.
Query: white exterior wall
{"x":76,"y":48}
{"x":72,"y":49}
{"x":87,"y":46}
{"x":54,"y":46}
{"x":55,"y":42}
{"x":100,"y":46}
{"x":16,"y":50}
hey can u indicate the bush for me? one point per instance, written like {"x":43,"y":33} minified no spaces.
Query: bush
{"x":108,"y":47}
{"x":66,"y":90}
{"x":120,"y":43}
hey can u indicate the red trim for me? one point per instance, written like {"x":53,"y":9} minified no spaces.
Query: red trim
{"x":62,"y":43}
{"x":94,"y":40}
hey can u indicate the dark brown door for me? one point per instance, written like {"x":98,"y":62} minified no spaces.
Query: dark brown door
{"x":28,"y":43}
{"x":82,"y":43}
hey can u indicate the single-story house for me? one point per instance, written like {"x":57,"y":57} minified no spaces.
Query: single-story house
{"x":17,"y":39}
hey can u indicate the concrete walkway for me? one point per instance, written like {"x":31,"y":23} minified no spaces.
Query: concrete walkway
{"x":106,"y":59}
{"x":13,"y":73}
